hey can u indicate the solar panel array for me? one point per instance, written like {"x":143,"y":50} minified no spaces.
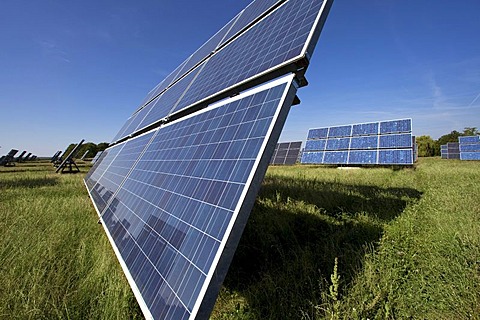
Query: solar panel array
{"x":286,"y":153}
{"x":451,"y":150}
{"x":469,"y":147}
{"x":375,"y":143}
{"x":175,"y":188}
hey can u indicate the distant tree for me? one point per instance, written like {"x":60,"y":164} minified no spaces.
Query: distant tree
{"x":450,"y":137}
{"x":90,"y":146}
{"x":102,"y":146}
{"x":470,"y":131}
{"x":426,"y":146}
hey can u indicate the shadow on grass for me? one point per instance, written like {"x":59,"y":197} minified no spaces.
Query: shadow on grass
{"x":286,"y":255}
{"x":29,"y":182}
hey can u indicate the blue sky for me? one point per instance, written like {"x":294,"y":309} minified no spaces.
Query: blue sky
{"x":72,"y":70}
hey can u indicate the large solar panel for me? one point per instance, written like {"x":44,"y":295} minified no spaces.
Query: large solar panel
{"x":175,"y":218}
{"x":381,"y":143}
{"x":281,"y":41}
{"x":286,"y":153}
{"x":176,"y":186}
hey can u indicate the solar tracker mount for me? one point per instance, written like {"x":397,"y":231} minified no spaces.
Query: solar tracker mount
{"x":68,"y":165}
{"x":175,"y":187}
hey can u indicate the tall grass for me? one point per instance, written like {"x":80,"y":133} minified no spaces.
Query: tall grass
{"x":324,"y":243}
{"x":320,"y":243}
{"x":55,"y":259}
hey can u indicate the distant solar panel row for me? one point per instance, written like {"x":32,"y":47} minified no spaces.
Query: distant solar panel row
{"x":286,"y":153}
{"x":385,"y":143}
{"x":469,"y":147}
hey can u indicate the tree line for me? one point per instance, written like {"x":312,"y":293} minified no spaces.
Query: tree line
{"x":428,"y":147}
{"x":90,"y":146}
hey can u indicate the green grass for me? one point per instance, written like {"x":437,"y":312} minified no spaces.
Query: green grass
{"x":320,"y":243}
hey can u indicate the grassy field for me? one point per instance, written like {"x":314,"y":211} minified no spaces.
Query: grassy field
{"x":321,"y":243}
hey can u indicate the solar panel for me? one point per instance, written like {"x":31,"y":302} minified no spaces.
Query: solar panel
{"x":382,"y":143}
{"x":469,"y":147}
{"x":280,"y":42}
{"x":176,"y":217}
{"x":20,"y":157}
{"x":286,"y":153}
{"x":176,"y":186}
{"x":8,"y":159}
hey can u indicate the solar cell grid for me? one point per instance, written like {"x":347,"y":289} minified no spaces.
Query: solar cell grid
{"x":314,"y":145}
{"x":277,"y":40}
{"x":365,"y":129}
{"x":172,"y":214}
{"x":362,"y":157}
{"x":469,"y":139}
{"x":312,"y":157}
{"x":396,"y":126}
{"x":321,"y":133}
{"x":286,"y":153}
{"x":362,"y":142}
{"x":365,"y":142}
{"x":396,"y":141}
{"x":338,"y":144}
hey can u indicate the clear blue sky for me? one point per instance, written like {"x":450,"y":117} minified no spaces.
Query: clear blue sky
{"x":72,"y":70}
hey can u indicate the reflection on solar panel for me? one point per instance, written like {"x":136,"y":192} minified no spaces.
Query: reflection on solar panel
{"x":469,"y":147}
{"x":175,"y":188}
{"x":97,"y":155}
{"x":286,"y":153}
{"x":381,"y":143}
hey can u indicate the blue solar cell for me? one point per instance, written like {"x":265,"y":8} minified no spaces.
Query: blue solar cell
{"x":321,"y":133}
{"x":337,"y":144}
{"x":443,"y":147}
{"x":469,"y":139}
{"x":312,"y":157}
{"x":365,"y":129}
{"x":101,"y":166}
{"x":362,"y":157}
{"x":469,"y":147}
{"x":396,"y":141}
{"x":174,"y":211}
{"x":342,"y":131}
{"x":280,"y":37}
{"x":395,"y":156}
{"x":453,"y":155}
{"x":315,"y":145}
{"x":469,"y":156}
{"x":250,"y":14}
{"x":396,"y":126}
{"x":335,"y":157}
{"x":367,"y":142}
